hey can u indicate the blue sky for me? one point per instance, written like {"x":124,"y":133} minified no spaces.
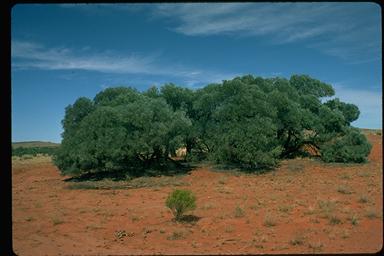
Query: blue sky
{"x":61,"y":52}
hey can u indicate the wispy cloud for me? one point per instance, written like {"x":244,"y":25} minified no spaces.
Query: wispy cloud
{"x":30,"y":55}
{"x":102,"y":8}
{"x":350,"y":31}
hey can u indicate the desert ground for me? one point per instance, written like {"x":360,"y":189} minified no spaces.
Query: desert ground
{"x":304,"y":206}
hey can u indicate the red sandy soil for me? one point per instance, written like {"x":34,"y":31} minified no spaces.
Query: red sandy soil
{"x":280,"y":212}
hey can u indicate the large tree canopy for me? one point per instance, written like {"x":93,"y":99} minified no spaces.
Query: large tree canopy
{"x":125,"y":129}
{"x":248,"y":121}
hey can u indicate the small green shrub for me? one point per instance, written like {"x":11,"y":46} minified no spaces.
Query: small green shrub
{"x":180,"y":201}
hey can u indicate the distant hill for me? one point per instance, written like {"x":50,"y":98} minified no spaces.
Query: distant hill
{"x":30,"y":144}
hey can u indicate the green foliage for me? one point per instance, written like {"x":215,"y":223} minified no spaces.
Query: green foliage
{"x":349,"y":111}
{"x":235,"y":124}
{"x":180,"y":201}
{"x":248,"y":122}
{"x":309,"y":86}
{"x":75,"y":113}
{"x":352,"y":147}
{"x":125,"y":130}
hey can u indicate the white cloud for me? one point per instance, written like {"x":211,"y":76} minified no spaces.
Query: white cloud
{"x":343,"y":30}
{"x":29,"y":55}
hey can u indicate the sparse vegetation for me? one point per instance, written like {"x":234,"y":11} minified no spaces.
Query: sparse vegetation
{"x":229,"y":229}
{"x":176,"y":235}
{"x":316,"y":246}
{"x":354,"y":219}
{"x":295,"y":166}
{"x":345,"y":176}
{"x":343,"y":189}
{"x":141,"y":182}
{"x":93,"y":227}
{"x":363,"y":199}
{"x":285,"y":208}
{"x":135,"y":218}
{"x":222,"y":180}
{"x":326,"y":207}
{"x":345,"y":234}
{"x":310,"y":210}
{"x":38,"y":205}
{"x":57,"y":220}
{"x":364,"y":174}
{"x":120,"y":234}
{"x":334,"y":219}
{"x":269,"y":221}
{"x":371,"y":214}
{"x":207,"y":206}
{"x":239,"y":212}
{"x":29,"y":219}
{"x":298,"y":239}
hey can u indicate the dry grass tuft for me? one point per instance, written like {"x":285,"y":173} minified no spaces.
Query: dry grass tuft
{"x":334,"y":219}
{"x":363,"y":199}
{"x":177,"y":235}
{"x":239,"y":212}
{"x":298,"y":239}
{"x":371,"y":214}
{"x":343,"y":189}
{"x":269,"y":221}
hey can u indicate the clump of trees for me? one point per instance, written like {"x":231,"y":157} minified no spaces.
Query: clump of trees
{"x":250,"y":122}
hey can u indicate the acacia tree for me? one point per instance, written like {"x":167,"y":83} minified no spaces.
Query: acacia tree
{"x":255,"y":122}
{"x":125,"y":129}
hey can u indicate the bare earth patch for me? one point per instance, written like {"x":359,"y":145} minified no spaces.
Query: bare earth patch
{"x":305,"y":206}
